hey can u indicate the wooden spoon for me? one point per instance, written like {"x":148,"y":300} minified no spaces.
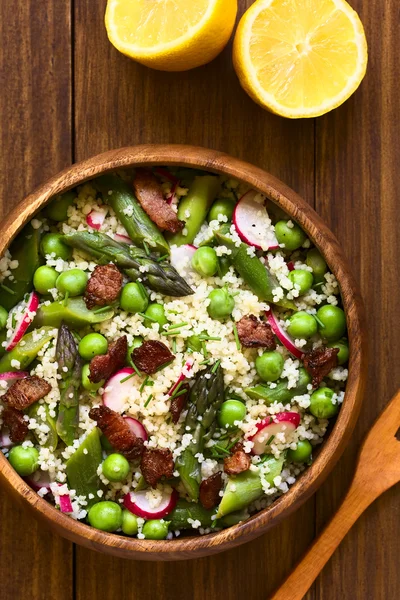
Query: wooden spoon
{"x":378,"y":468}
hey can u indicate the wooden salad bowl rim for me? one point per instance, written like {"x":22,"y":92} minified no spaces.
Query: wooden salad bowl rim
{"x":332,"y":448}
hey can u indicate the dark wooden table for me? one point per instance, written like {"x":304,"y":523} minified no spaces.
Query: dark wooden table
{"x":66,"y":94}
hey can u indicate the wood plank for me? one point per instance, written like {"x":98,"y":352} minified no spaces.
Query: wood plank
{"x":118,"y":103}
{"x":35,"y":130}
{"x":357,"y":191}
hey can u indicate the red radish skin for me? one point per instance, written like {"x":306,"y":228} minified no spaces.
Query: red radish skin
{"x":116,"y":393}
{"x":181,"y":258}
{"x":186,"y":373}
{"x":122,"y":239}
{"x":285,"y":422}
{"x":172,"y":198}
{"x":290,"y":266}
{"x":13,"y":375}
{"x":138,"y":504}
{"x":65,"y":504}
{"x":137,"y":428}
{"x":166,"y":174}
{"x":282,"y":335}
{"x":42,"y":481}
{"x":96,"y":218}
{"x":250,"y":228}
{"x":26,"y":319}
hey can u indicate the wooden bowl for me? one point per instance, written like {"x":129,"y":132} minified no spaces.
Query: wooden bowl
{"x":300,"y":211}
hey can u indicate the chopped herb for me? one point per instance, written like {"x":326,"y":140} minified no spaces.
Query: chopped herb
{"x":215,"y":367}
{"x":271,"y":439}
{"x":149,"y":399}
{"x":146,"y":248}
{"x":147,"y":317}
{"x":65,"y":302}
{"x":235,"y":333}
{"x":205,"y":362}
{"x":173,"y":312}
{"x":178,"y":387}
{"x":177,"y":325}
{"x":233,"y":443}
{"x":207,"y":338}
{"x":128,"y":377}
{"x":102,"y":309}
{"x":173,"y":332}
{"x":160,"y":260}
{"x":177,"y":394}
{"x":145,"y":382}
{"x":7,"y":289}
{"x":160,"y":368}
{"x":221,"y":449}
{"x":174,"y":345}
{"x":319,"y":322}
{"x":204,"y":348}
{"x":134,"y":367}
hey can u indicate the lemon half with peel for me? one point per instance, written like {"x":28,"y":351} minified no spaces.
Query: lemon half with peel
{"x":170,"y":35}
{"x":300,"y":58}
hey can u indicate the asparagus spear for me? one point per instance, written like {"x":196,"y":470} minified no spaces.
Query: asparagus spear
{"x":158,"y":276}
{"x":206,"y":396}
{"x":185,"y":510}
{"x":137,"y":223}
{"x":69,"y":369}
{"x":281,"y":392}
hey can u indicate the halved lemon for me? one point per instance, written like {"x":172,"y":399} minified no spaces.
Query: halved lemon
{"x":300,"y":58}
{"x":170,"y":35}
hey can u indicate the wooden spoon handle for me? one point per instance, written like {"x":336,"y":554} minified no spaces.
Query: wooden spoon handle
{"x":304,"y":574}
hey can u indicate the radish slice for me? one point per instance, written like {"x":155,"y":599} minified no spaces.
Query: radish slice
{"x":285,"y":422}
{"x":65,"y":503}
{"x":181,"y":258}
{"x":283,"y":335}
{"x":172,"y":198}
{"x":39,"y":480}
{"x":166,"y":174}
{"x":137,"y":428}
{"x":186,"y":373}
{"x":96,"y":218}
{"x":138,"y":504}
{"x":253,"y":224}
{"x":5,"y":441}
{"x":122,"y":239}
{"x":117,"y":391}
{"x":24,"y":322}
{"x":290,"y":266}
{"x":13,"y":375}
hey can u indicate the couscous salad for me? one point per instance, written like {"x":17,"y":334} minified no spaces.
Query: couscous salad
{"x":172,"y":349}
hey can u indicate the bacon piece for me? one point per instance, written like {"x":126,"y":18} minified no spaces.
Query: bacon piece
{"x":14,"y":420}
{"x":156,"y":463}
{"x":104,"y":286}
{"x":179,"y":402}
{"x":320,"y":362}
{"x":25,"y":392}
{"x":151,"y":355}
{"x":150,"y":195}
{"x":117,"y":431}
{"x":238,"y":462}
{"x":209,"y":491}
{"x":105,"y":365}
{"x":254,"y":333}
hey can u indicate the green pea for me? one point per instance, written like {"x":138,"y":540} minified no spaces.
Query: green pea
{"x":134,"y":298}
{"x":92,"y":345}
{"x":3,"y":317}
{"x":318,"y":265}
{"x":292,"y":237}
{"x":24,"y":460}
{"x":57,"y":210}
{"x":302,"y":453}
{"x":222,"y":206}
{"x":205,"y":261}
{"x":86,"y":383}
{"x":302,"y":325}
{"x":115,"y":467}
{"x":105,"y":444}
{"x":106,"y":516}
{"x":231,"y":411}
{"x":157,"y":314}
{"x":129,"y":522}
{"x":321,"y":405}
{"x":221,"y":304}
{"x":304,"y":279}
{"x":269,"y":366}
{"x":343,"y":347}
{"x":72,"y":282}
{"x":332,"y":322}
{"x":44,"y":279}
{"x":155,"y":529}
{"x":51,"y":244}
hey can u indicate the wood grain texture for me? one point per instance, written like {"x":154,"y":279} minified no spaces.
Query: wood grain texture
{"x":35,"y":134}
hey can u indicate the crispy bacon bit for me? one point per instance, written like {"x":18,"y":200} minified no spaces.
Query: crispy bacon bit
{"x":150,"y":195}
{"x":178,"y":403}
{"x":117,"y":431}
{"x":25,"y":392}
{"x":254,"y":333}
{"x":209,"y":491}
{"x":156,"y":463}
{"x":105,"y":365}
{"x":14,"y":420}
{"x":151,"y":355}
{"x":104,"y":286}
{"x":320,"y":362}
{"x":238,"y":462}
